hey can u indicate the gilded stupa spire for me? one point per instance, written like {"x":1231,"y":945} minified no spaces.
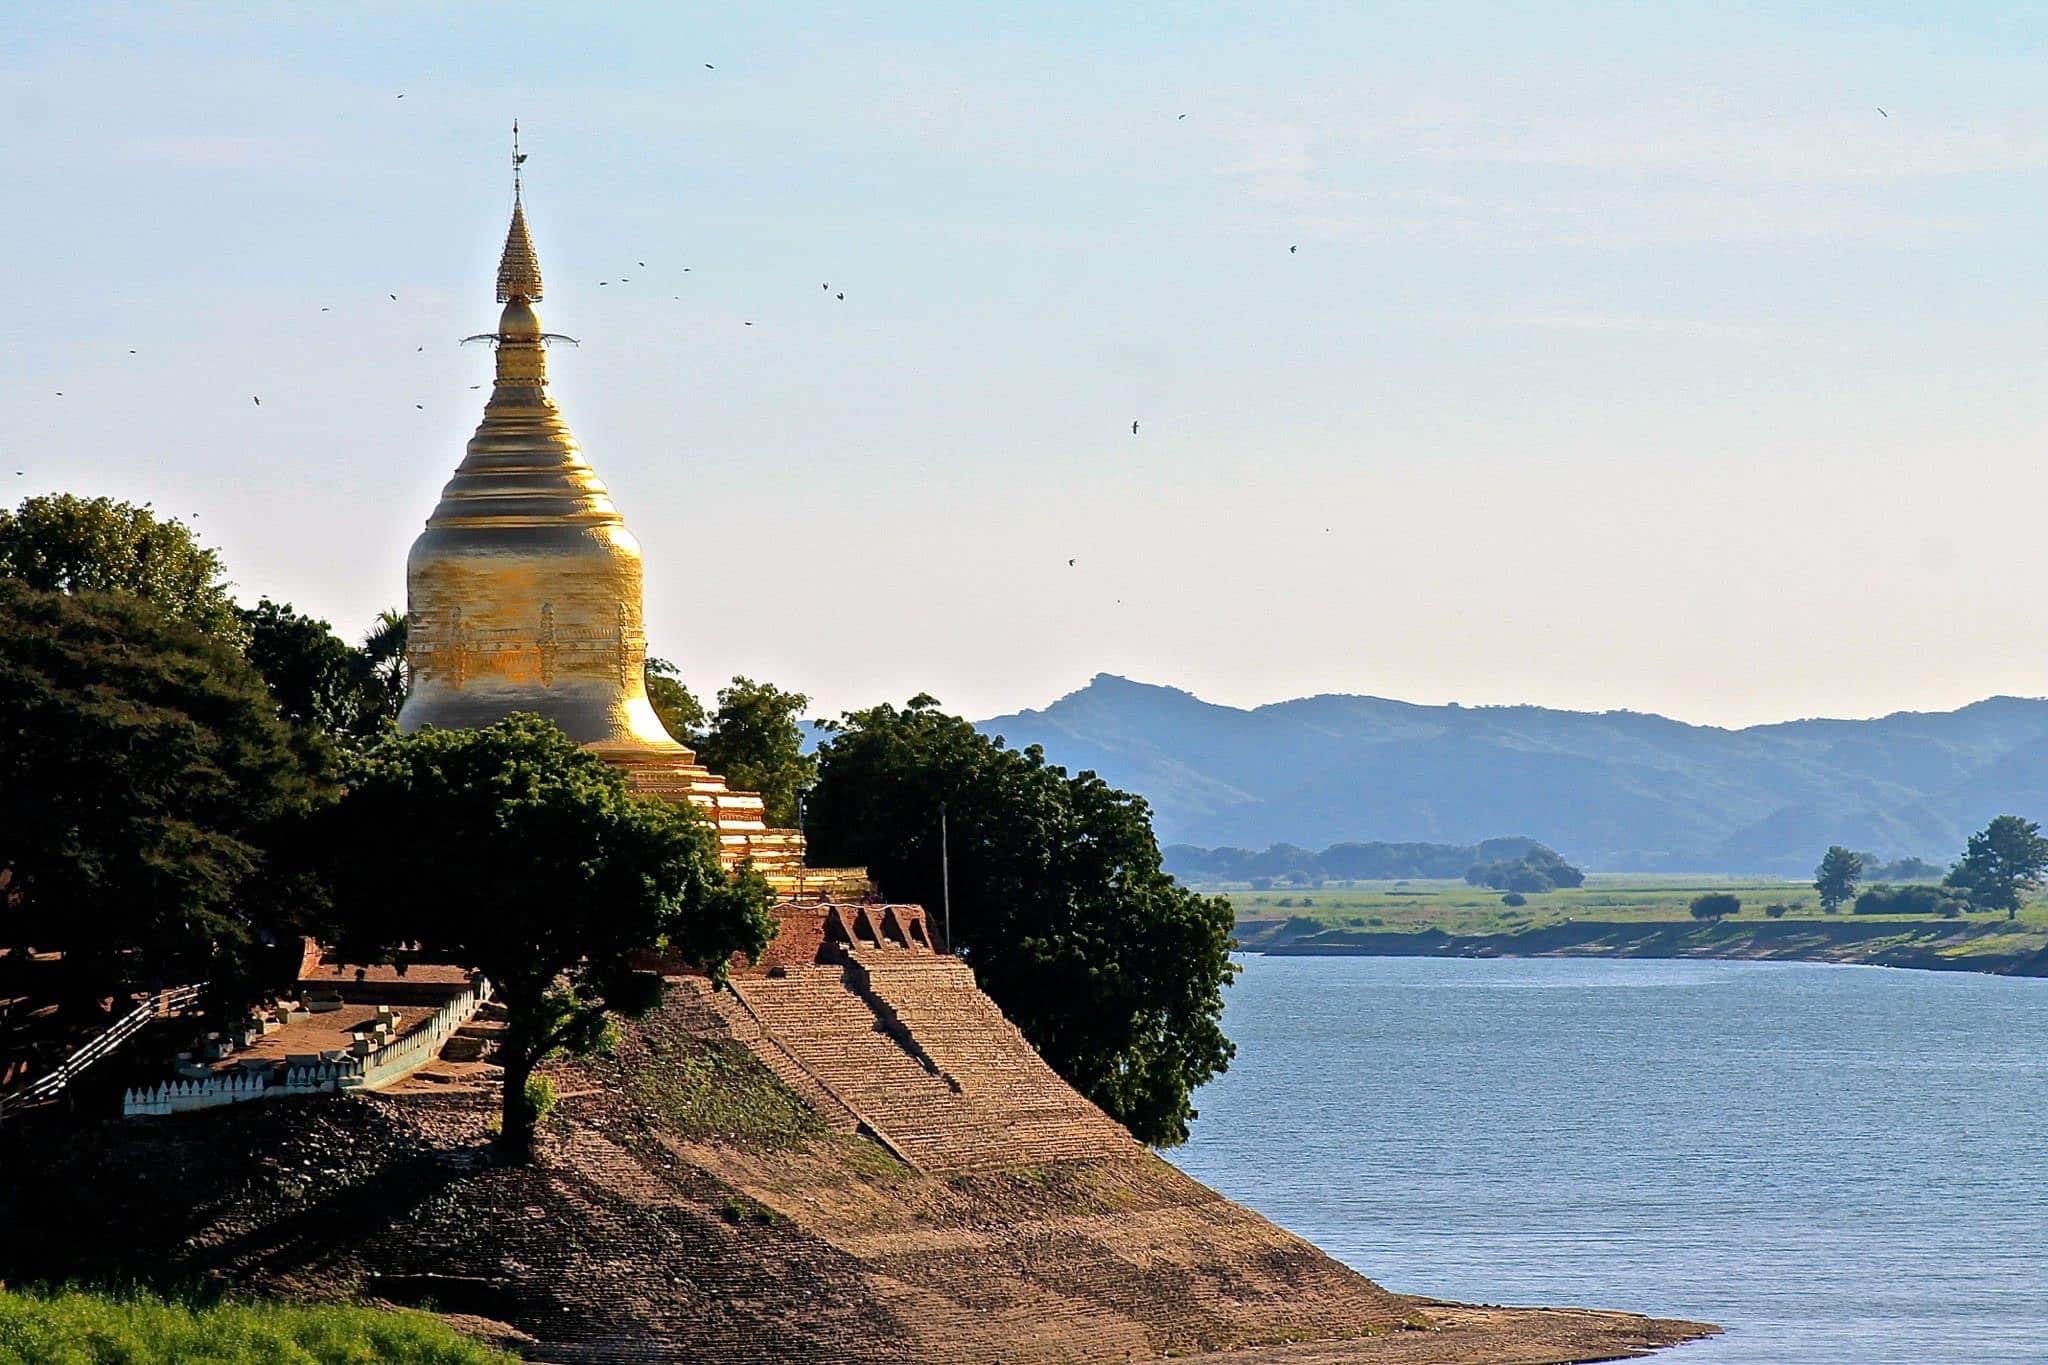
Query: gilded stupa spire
{"x":518,"y":267}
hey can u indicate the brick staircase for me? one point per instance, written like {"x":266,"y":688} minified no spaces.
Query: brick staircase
{"x":905,"y":1041}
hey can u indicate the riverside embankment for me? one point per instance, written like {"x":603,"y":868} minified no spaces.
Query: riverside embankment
{"x":1974,"y":945}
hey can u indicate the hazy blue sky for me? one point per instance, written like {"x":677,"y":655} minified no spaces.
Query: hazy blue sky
{"x":1630,"y":357}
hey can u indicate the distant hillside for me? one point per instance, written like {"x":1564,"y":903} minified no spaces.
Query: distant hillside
{"x":1617,"y":791}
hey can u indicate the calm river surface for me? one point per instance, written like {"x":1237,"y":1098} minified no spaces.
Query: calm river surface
{"x":1837,"y":1164}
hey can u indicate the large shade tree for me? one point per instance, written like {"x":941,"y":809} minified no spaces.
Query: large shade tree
{"x":143,"y":774}
{"x":64,"y":543}
{"x":513,"y":851}
{"x":1112,"y":970}
{"x":2002,"y":865}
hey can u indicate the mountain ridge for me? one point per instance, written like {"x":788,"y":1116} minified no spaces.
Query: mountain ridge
{"x":1619,"y":790}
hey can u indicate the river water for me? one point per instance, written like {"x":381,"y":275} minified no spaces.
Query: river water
{"x":1837,"y":1164}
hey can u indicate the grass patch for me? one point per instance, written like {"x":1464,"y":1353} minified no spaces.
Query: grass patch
{"x":82,"y":1327}
{"x":722,"y":1091}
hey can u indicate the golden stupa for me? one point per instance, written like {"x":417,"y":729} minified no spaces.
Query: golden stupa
{"x":524,"y":591}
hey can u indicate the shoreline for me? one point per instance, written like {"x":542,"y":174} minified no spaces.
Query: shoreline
{"x":1921,"y":945}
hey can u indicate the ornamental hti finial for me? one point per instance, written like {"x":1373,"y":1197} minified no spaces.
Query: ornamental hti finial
{"x":518,"y":267}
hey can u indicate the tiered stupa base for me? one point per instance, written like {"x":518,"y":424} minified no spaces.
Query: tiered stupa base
{"x":744,"y":834}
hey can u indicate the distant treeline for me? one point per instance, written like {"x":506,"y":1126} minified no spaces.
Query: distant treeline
{"x":1298,"y":866}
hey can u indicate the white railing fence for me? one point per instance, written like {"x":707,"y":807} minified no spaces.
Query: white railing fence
{"x":391,"y":1063}
{"x":46,"y":1087}
{"x":400,"y":1058}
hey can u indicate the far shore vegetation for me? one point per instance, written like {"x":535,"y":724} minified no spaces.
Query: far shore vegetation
{"x":1364,"y":911}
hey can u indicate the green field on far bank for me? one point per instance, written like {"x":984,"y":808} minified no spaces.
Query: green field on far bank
{"x":1370,"y":909}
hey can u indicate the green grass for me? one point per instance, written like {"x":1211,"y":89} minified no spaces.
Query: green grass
{"x":1455,"y":908}
{"x":722,"y":1091}
{"x":79,"y":1327}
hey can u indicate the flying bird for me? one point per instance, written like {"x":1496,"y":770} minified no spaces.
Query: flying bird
{"x":421,"y":406}
{"x":1134,"y":428}
{"x":1182,"y":116}
{"x":1070,"y":563}
{"x":643,"y":265}
{"x":476,"y":386}
{"x":826,"y":286}
{"x":1881,"y":111}
{"x":841,"y":296}
{"x":401,"y":97}
{"x":1291,"y":250}
{"x":323,"y":310}
{"x":419,"y":348}
{"x":394,"y":298}
{"x":254,"y":399}
{"x":750,"y":324}
{"x":709,"y":67}
{"x":131,"y":350}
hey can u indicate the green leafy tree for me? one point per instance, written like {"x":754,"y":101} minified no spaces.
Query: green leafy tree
{"x":319,"y":679}
{"x":1715,"y":904}
{"x":143,"y":774}
{"x":755,"y":742}
{"x":512,"y":850}
{"x":1112,"y":970}
{"x":682,"y":715}
{"x":384,"y":648}
{"x":65,"y":543}
{"x":1836,"y":877}
{"x":2002,"y":865}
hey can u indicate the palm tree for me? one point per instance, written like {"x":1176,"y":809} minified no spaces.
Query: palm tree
{"x":384,"y":651}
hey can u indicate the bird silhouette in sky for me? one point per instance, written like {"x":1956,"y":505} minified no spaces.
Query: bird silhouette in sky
{"x":401,"y":97}
{"x":1070,"y":563}
{"x":750,"y":324}
{"x":394,"y":298}
{"x":419,"y":348}
{"x":476,"y":386}
{"x":1881,"y":111}
{"x":643,"y":265}
{"x":421,"y":406}
{"x":254,"y":399}
{"x":1134,"y":428}
{"x":709,"y":67}
{"x":841,"y":296}
{"x":323,"y":310}
{"x":1182,"y":116}
{"x":1291,"y":250}
{"x":131,"y":350}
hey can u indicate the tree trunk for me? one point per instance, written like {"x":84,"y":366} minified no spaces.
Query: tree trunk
{"x":516,"y":1124}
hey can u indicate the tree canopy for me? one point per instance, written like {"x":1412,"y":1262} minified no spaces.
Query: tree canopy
{"x":754,"y":740}
{"x":64,"y":543}
{"x":1112,"y":970}
{"x":512,"y":850}
{"x":322,"y":681}
{"x":682,"y":715}
{"x":2002,"y":865}
{"x":1836,"y":877}
{"x":1714,"y":904}
{"x":143,"y":772}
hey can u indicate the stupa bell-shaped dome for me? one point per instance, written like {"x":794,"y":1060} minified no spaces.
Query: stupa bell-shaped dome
{"x":524,"y":591}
